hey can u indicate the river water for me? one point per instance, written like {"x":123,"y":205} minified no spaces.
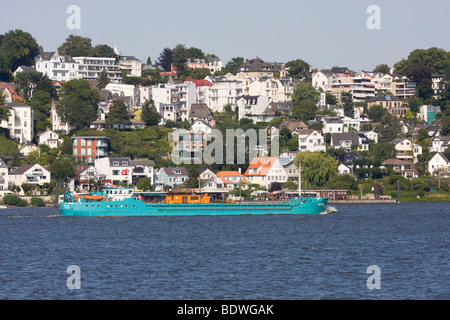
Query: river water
{"x":394,"y":251}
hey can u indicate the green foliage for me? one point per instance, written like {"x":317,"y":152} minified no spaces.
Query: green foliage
{"x":103,"y":80}
{"x":145,"y":184}
{"x":233,"y":65}
{"x":14,"y":200}
{"x":297,"y":68}
{"x":305,"y":91}
{"x":62,"y":169}
{"x":149,"y":115}
{"x":8,"y":147}
{"x":390,"y":127}
{"x":76,"y":46}
{"x":37,"y":202}
{"x":382,"y":68}
{"x":78,"y":104}
{"x":343,"y":182}
{"x":376,"y":112}
{"x":304,"y":110}
{"x":118,"y":114}
{"x":317,"y":168}
{"x":17,"y":48}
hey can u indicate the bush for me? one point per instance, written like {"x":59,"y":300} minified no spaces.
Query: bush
{"x":37,"y":202}
{"x":11,"y":199}
{"x":22,"y":203}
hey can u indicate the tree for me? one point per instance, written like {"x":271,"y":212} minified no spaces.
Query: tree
{"x":390,"y":127}
{"x":103,"y":80}
{"x":298,"y":68}
{"x":375,"y":112}
{"x":317,"y":168}
{"x":305,"y":91}
{"x":18,"y":48}
{"x":78,"y":104}
{"x":304,"y":110}
{"x":193,"y":181}
{"x":62,"y":169}
{"x":436,"y":58}
{"x":382,"y":68}
{"x":347,"y":103}
{"x":233,"y":65}
{"x":4,"y":111}
{"x":102,"y":50}
{"x":421,"y":73}
{"x":145,"y":184}
{"x":149,"y":115}
{"x":118,"y":114}
{"x":165,"y":59}
{"x":76,"y":46}
{"x":330,"y":99}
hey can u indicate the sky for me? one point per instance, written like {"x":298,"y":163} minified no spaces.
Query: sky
{"x":324,"y":33}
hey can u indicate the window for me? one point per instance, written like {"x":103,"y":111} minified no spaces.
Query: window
{"x":83,"y":152}
{"x":115,"y":172}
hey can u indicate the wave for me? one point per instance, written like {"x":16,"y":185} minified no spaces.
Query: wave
{"x":329,"y":209}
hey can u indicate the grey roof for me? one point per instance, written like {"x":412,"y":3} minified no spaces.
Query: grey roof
{"x":384,"y":98}
{"x":23,"y":168}
{"x":46,"y":55}
{"x":199,"y":110}
{"x":120,"y":160}
{"x":128,"y":58}
{"x":171,"y":171}
{"x":142,"y":162}
{"x":2,"y":164}
{"x":353,"y":136}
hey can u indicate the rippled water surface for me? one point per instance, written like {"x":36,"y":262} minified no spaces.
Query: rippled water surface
{"x":231,"y":257}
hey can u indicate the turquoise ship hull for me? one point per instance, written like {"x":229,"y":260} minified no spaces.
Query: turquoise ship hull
{"x":131,"y":207}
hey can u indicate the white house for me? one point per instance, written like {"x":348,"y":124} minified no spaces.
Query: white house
{"x":57,"y":67}
{"x":311,"y":140}
{"x":344,"y":169}
{"x":131,"y":65}
{"x":348,"y":139}
{"x":20,"y":122}
{"x":439,"y":163}
{"x":4,"y":177}
{"x":221,"y":93}
{"x":142,"y":168}
{"x":26,"y":148}
{"x":406,"y":149}
{"x":201,"y":126}
{"x":324,"y":79}
{"x":252,"y":105}
{"x":115,"y":169}
{"x":265,"y":171}
{"x":332,"y":125}
{"x":89,"y":68}
{"x":371,"y":135}
{"x":29,"y":173}
{"x":439,"y":143}
{"x":50,"y":138}
{"x":57,"y":124}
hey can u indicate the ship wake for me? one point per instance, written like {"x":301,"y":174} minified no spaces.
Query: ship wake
{"x":329,"y":209}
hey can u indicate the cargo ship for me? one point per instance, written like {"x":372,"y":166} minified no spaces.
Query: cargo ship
{"x":129,"y":203}
{"x":126,"y":202}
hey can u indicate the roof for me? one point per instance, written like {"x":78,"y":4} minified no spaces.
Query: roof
{"x":384,"y":98}
{"x":265,"y":163}
{"x":396,"y":161}
{"x":198,"y":82}
{"x":199,"y":110}
{"x":120,"y":160}
{"x":142,"y":162}
{"x":223,"y":174}
{"x":307,"y":132}
{"x":337,"y":137}
{"x":23,"y":168}
{"x":442,"y":156}
{"x":171,"y":171}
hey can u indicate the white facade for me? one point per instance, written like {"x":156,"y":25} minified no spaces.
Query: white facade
{"x":57,"y":124}
{"x":439,"y":163}
{"x":332,"y":125}
{"x":221,"y":93}
{"x":125,"y":90}
{"x":4,"y":177}
{"x":252,"y":105}
{"x":200,"y":126}
{"x":266,"y":170}
{"x":115,"y":169}
{"x":89,"y":68}
{"x":56,"y":67}
{"x":20,"y":122}
{"x":439,"y":143}
{"x":50,"y":138}
{"x":29,"y":173}
{"x":182,"y":94}
{"x":311,"y":140}
{"x":131,"y":65}
{"x":324,"y":79}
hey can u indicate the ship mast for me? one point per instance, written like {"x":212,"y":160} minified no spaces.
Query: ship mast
{"x":300,"y":179}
